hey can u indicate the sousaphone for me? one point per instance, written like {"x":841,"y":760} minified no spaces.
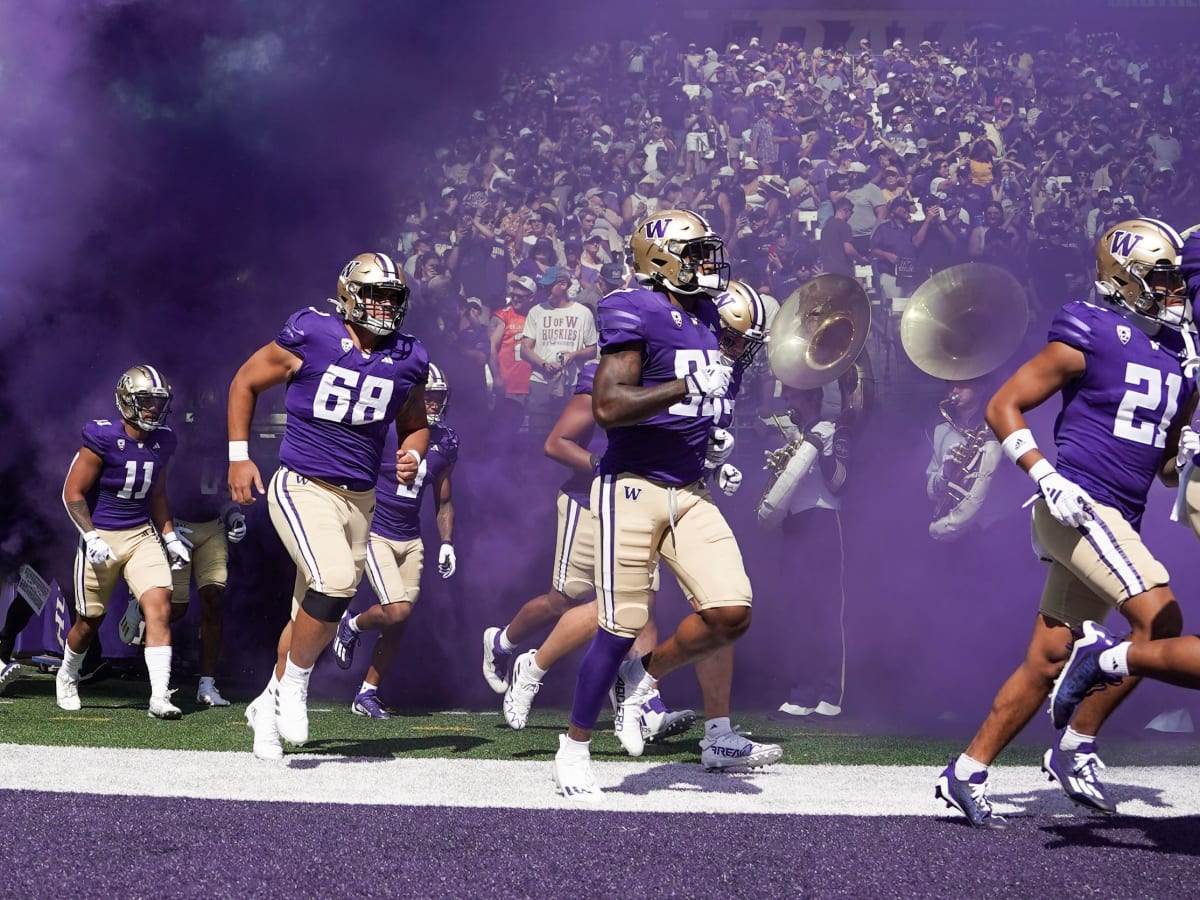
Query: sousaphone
{"x":819,"y":331}
{"x":964,"y":322}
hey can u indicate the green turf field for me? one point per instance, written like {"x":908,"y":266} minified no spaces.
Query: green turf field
{"x":114,"y":715}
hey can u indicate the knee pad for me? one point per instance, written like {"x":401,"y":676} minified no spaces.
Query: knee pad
{"x":324,"y":608}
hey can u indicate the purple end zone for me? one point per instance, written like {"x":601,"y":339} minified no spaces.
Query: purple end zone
{"x":100,"y":846}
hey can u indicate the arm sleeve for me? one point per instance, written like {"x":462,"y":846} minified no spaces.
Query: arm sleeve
{"x":773,"y":507}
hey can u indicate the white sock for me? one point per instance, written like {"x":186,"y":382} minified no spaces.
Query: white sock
{"x":536,"y":672}
{"x":71,"y":662}
{"x":1072,"y":740}
{"x":158,"y":664}
{"x":576,"y":748}
{"x":273,"y":684}
{"x":505,"y":644}
{"x":295,"y":675}
{"x":367,"y":686}
{"x":965,"y":767}
{"x":719,"y":725}
{"x":1116,"y":660}
{"x":206,"y":682}
{"x":353,"y":623}
{"x":640,"y":681}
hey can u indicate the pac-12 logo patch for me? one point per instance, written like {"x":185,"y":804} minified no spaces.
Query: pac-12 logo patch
{"x":677,"y":318}
{"x":346,"y":345}
{"x":1124,"y":333}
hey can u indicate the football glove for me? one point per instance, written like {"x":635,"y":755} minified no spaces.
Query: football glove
{"x":177,"y":553}
{"x":1189,"y":446}
{"x":446,"y":561}
{"x":235,"y":526}
{"x":720,"y":446}
{"x":729,"y":479}
{"x":1068,"y":502}
{"x":98,"y":551}
{"x":711,"y":380}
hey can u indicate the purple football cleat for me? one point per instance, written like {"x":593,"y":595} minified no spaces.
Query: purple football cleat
{"x":1082,"y":673}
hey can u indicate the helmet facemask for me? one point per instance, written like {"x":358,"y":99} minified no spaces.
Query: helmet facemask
{"x":143,"y":398}
{"x":1138,"y":266}
{"x":372,"y":293}
{"x":702,"y":266}
{"x":437,"y":395}
{"x":380,"y":307}
{"x":743,"y":324}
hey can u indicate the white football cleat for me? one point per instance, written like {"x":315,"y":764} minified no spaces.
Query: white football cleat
{"x":627,"y":705}
{"x":132,"y":627}
{"x":573,"y":775}
{"x":291,"y":712}
{"x":260,"y":716}
{"x":9,"y":674}
{"x":66,"y":692}
{"x":495,"y":661}
{"x":730,"y":750}
{"x":660,"y":723}
{"x":519,"y":696}
{"x":208,"y":694}
{"x":163,"y":708}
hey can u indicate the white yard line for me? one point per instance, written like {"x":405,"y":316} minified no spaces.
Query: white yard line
{"x":1158,"y":792}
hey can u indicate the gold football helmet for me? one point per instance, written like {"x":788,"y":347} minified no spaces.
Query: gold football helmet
{"x":372,"y":293}
{"x":143,"y":397}
{"x":1137,"y":264}
{"x":743,"y":323}
{"x":437,"y":395}
{"x":679,"y":250}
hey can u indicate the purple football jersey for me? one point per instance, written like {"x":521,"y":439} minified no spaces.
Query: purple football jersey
{"x":197,"y":479}
{"x":121,"y":497}
{"x":1112,"y":432}
{"x":398,"y":506}
{"x":341,"y":402}
{"x":670,"y":445}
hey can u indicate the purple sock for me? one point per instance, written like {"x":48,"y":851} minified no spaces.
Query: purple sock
{"x":596,"y":675}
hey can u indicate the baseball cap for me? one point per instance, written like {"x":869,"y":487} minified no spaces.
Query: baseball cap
{"x":856,"y":167}
{"x":553,"y":274}
{"x":613,"y":273}
{"x":525,"y":283}
{"x":939,"y":111}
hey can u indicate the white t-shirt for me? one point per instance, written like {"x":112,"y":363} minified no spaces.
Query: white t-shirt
{"x":555,"y":330}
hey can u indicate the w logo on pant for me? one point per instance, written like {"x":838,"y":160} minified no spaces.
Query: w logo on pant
{"x":632,"y":493}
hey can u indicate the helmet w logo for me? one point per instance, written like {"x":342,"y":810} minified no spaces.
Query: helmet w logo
{"x":657,"y":229}
{"x":1123,"y":243}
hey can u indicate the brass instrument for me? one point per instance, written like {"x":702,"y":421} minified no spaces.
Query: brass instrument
{"x":818,"y":336}
{"x":960,"y":468}
{"x":819,"y":331}
{"x":964,"y":322}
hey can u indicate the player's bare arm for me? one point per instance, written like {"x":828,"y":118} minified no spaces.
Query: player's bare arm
{"x":568,"y":439}
{"x":1036,"y":381}
{"x":85,"y":471}
{"x":269,"y":366}
{"x":618,"y":396}
{"x":444,"y":502}
{"x":412,"y":430}
{"x":160,"y":512}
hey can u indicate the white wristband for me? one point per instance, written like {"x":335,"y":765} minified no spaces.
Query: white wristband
{"x":1018,"y":444}
{"x":89,"y":536}
{"x":1041,"y":469}
{"x":239,"y":451}
{"x":416,"y":455}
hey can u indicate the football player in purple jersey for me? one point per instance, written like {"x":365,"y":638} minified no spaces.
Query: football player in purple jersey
{"x":207,"y":522}
{"x":1125,"y":368}
{"x":571,"y":443}
{"x":660,"y":387}
{"x":116,"y":495}
{"x":395,"y":553}
{"x":743,"y":332}
{"x":350,"y":375}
